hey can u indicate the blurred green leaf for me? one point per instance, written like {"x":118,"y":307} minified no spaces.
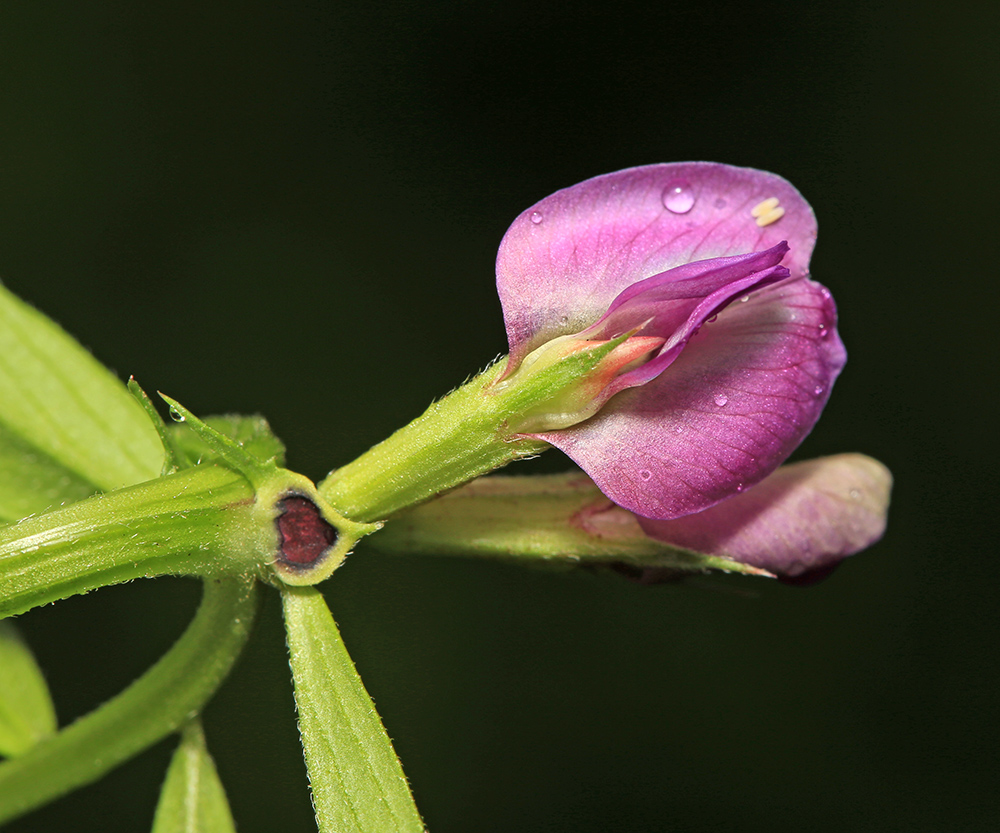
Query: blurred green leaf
{"x":251,"y":432}
{"x":192,"y":799}
{"x":357,"y":782}
{"x":26,"y":711}
{"x":68,"y":427}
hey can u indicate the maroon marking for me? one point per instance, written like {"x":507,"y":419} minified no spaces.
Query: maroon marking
{"x":304,"y":535}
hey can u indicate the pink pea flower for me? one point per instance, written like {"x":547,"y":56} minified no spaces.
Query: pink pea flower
{"x":729,"y":350}
{"x":728,"y":353}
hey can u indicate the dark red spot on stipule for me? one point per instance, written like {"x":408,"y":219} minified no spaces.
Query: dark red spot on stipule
{"x":305,"y":536}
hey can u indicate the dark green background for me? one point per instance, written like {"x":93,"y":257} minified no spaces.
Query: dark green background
{"x":294,"y":207}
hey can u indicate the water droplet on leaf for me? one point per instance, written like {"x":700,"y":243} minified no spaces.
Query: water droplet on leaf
{"x":176,"y":415}
{"x":678,"y":197}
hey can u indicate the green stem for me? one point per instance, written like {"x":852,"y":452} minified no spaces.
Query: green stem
{"x":189,"y":523}
{"x":156,"y":704}
{"x":458,"y":438}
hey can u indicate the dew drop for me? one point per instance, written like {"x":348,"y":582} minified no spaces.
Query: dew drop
{"x":721,"y":399}
{"x":678,"y":197}
{"x":536,"y":217}
{"x":713,"y":319}
{"x":720,"y":203}
{"x":818,"y":389}
{"x":744,"y":299}
{"x":645,"y":474}
{"x":824,"y":331}
{"x":176,"y":415}
{"x":855,"y":494}
{"x":739,"y":487}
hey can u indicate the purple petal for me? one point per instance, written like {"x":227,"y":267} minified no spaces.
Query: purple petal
{"x":730,"y":409}
{"x":565,"y":259}
{"x":804,"y":518}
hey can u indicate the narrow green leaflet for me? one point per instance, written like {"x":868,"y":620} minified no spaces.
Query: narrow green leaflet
{"x":26,"y":711}
{"x":192,"y":799}
{"x":357,"y":782}
{"x":68,"y":427}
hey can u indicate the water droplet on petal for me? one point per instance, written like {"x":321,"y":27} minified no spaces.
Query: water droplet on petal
{"x":536,"y":217}
{"x":721,"y":399}
{"x":818,"y":389}
{"x":176,"y":415}
{"x":824,"y":331}
{"x":678,"y":197}
{"x":855,"y":494}
{"x":720,"y":203}
{"x":739,"y":487}
{"x":712,"y":319}
{"x":744,"y":299}
{"x":645,"y":474}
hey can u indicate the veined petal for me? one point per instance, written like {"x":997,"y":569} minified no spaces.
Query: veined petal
{"x":804,"y":517}
{"x":565,"y":260}
{"x":732,"y":407}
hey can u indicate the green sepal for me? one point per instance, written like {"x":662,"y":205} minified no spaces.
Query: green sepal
{"x":192,"y":799}
{"x":27,"y":714}
{"x":477,"y":428}
{"x":558,"y":520}
{"x":356,"y":779}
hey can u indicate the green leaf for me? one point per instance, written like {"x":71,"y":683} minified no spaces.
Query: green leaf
{"x":26,"y":711}
{"x":357,"y":782}
{"x":31,"y":481}
{"x":67,"y":425}
{"x":192,"y":799}
{"x":251,"y":432}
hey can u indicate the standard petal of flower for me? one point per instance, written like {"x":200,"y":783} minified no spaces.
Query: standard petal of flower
{"x":805,"y":517}
{"x":565,"y":259}
{"x":730,"y":409}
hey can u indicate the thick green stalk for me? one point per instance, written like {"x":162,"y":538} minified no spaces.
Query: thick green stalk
{"x":158,"y":703}
{"x":458,"y":438}
{"x":189,"y":523}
